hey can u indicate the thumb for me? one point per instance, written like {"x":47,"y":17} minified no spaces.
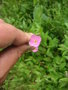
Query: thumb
{"x":28,"y":35}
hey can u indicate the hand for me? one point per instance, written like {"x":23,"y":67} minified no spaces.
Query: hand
{"x":11,"y":35}
{"x":15,"y":43}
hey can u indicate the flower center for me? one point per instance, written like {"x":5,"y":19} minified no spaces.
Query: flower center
{"x":35,"y":41}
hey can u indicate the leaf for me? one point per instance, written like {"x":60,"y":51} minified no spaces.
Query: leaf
{"x":49,"y":53}
{"x":44,"y":38}
{"x":63,"y":82}
{"x":53,"y":43}
{"x":38,"y":14}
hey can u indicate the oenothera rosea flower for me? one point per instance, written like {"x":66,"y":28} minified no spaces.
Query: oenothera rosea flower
{"x":35,"y":42}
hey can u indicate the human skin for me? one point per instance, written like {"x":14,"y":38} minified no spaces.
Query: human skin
{"x":15,"y":43}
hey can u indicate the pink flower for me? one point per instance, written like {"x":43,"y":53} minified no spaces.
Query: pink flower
{"x":35,"y":42}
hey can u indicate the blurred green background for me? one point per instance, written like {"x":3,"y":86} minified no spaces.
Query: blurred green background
{"x":48,"y":68}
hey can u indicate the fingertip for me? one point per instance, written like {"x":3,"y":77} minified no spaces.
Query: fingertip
{"x":29,"y":36}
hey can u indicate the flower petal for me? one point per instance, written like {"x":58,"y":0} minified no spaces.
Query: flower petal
{"x":32,"y":41}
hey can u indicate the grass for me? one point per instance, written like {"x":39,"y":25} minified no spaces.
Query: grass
{"x":48,"y":68}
